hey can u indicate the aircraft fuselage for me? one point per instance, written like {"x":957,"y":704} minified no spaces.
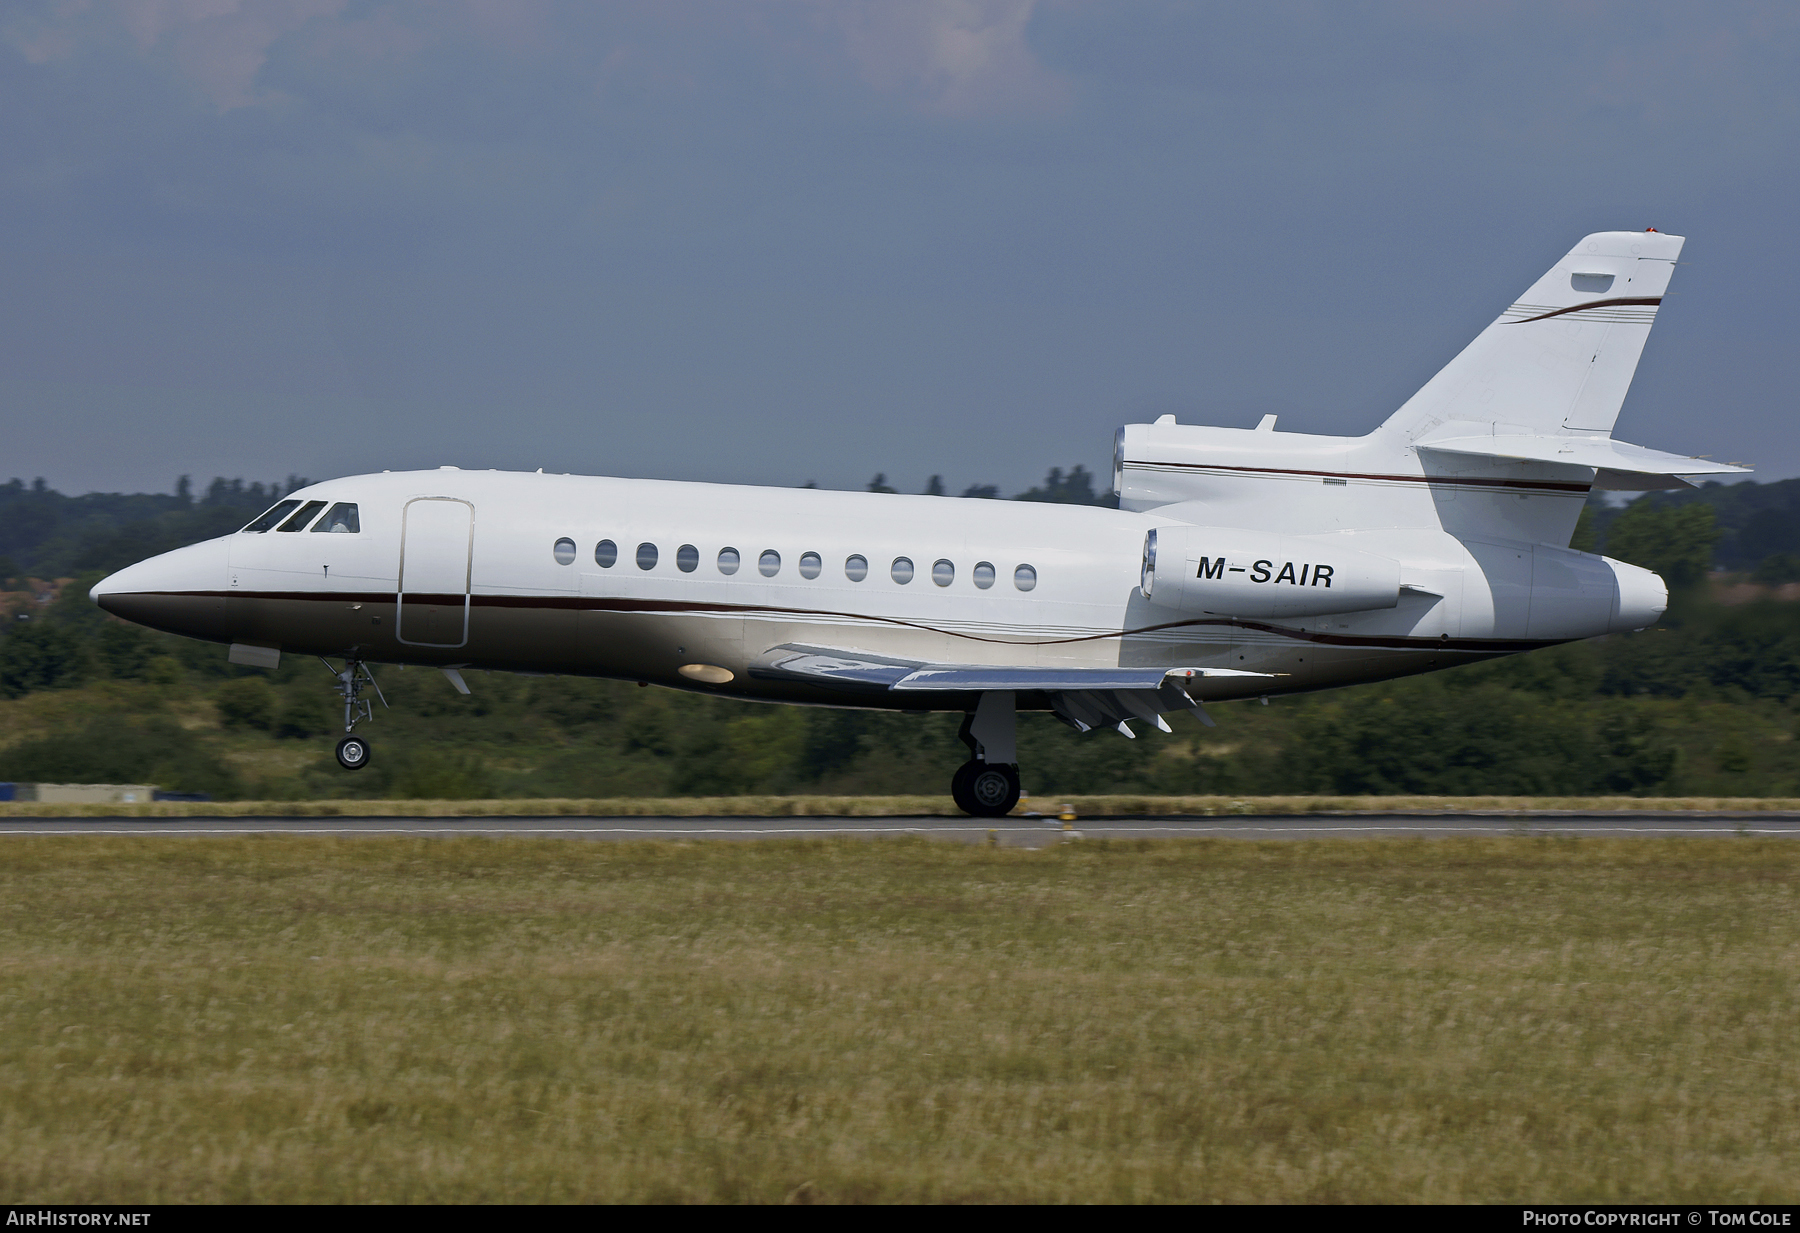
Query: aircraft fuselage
{"x":503,"y":571}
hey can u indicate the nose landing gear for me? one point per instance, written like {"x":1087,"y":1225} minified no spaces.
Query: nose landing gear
{"x":353,"y":751}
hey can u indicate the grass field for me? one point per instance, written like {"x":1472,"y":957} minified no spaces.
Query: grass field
{"x":306,"y":1019}
{"x":821,"y":805}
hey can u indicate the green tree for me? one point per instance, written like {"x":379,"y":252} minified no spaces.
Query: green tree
{"x":247,"y":702}
{"x":1676,"y":541}
{"x":308,"y":709}
{"x":1778,"y":567}
{"x":1074,"y":488}
{"x":123,"y":650}
{"x":39,"y":655}
{"x":443,"y":775}
{"x":74,"y":610}
{"x":1587,"y":534}
{"x":112,"y":750}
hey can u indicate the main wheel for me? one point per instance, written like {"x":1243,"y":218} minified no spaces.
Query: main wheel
{"x":959,"y":785}
{"x":353,"y":753}
{"x":993,"y":790}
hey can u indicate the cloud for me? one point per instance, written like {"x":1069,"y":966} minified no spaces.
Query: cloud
{"x":219,"y":45}
{"x":942,"y":57}
{"x":956,"y":57}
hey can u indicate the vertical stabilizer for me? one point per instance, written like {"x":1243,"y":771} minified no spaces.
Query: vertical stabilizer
{"x":1562,"y":357}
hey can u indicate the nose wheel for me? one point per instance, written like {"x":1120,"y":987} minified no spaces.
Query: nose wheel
{"x":353,"y":753}
{"x":985,"y":789}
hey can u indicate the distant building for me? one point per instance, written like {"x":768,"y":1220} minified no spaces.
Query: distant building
{"x":79,"y":793}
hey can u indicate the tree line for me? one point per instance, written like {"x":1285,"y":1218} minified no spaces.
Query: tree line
{"x":1706,"y":703}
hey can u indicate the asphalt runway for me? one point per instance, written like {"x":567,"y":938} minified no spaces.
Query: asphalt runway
{"x":1012,"y":832}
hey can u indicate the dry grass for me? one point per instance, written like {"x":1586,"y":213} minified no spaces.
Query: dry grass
{"x":331,"y":1020}
{"x":906,"y":806}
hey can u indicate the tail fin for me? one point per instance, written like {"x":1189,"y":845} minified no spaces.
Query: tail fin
{"x":1561,"y":358}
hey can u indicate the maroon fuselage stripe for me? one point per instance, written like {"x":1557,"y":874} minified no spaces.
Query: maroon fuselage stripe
{"x":591,"y":603}
{"x":1465,"y":481}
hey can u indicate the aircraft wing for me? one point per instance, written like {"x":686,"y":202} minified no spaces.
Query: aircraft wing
{"x":824,"y":666}
{"x":1082,"y":697}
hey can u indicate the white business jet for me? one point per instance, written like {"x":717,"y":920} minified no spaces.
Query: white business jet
{"x":1241,"y":562}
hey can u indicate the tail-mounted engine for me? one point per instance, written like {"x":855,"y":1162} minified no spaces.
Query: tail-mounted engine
{"x":1231,"y":572}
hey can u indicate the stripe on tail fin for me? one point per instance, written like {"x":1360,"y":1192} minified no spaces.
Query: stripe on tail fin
{"x":1561,"y":358}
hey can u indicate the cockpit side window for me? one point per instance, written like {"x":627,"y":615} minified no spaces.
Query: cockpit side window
{"x":275,"y":515}
{"x":307,"y":513}
{"x":340,"y":519}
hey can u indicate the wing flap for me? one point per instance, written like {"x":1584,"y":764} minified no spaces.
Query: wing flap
{"x":1083,"y":698}
{"x":977,"y":677}
{"x":824,"y":666}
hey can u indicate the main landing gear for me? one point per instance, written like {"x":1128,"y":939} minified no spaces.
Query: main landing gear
{"x":984,"y":789}
{"x":353,"y":751}
{"x":987,"y":785}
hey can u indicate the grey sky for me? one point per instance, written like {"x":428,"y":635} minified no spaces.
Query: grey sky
{"x":796,"y":240}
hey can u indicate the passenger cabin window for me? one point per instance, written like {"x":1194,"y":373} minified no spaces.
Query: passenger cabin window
{"x":943,"y":573}
{"x":810,"y":565}
{"x":856,"y":568}
{"x":1025,"y":577}
{"x":307,"y":513}
{"x":273,"y":516}
{"x":606,"y":554}
{"x":564,"y":551}
{"x":983,"y":573}
{"x":646,"y":556}
{"x":687,"y":558}
{"x":340,"y":519}
{"x":769,"y":563}
{"x":728,"y":561}
{"x":902,"y":570}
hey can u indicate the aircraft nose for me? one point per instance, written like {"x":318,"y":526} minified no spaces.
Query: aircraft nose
{"x":182,"y":592}
{"x":107,"y":591}
{"x":117,"y":590}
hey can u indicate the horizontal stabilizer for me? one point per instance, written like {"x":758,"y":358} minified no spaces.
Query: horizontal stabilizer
{"x":1600,"y":452}
{"x":1608,"y":480}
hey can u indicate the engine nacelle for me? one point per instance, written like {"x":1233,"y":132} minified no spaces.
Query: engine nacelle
{"x":1233,"y":572}
{"x":1640,"y":597}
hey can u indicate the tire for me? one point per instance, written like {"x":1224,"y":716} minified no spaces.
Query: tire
{"x":993,"y":790}
{"x":353,"y":753}
{"x":959,"y":786}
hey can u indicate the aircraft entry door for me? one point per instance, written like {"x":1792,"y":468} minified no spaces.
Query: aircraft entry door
{"x":437,"y":541}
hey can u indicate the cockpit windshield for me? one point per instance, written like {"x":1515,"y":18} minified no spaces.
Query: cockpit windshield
{"x":307,"y":513}
{"x":340,"y":519}
{"x":274,"y":515}
{"x":291,"y":515}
